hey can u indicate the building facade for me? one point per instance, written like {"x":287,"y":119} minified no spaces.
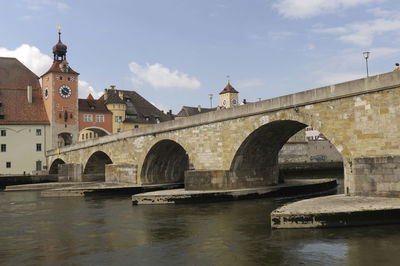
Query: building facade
{"x":95,"y":120}
{"x":24,"y":125}
{"x":130,"y":110}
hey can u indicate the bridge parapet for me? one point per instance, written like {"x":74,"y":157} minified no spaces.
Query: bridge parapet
{"x":241,"y":144}
{"x":352,"y":88}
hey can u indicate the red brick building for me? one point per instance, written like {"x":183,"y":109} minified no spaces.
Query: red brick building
{"x":95,"y":120}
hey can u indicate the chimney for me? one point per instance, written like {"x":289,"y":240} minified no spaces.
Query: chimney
{"x":29,"y":93}
{"x":105,"y":94}
{"x":112,"y":87}
{"x":121,"y":95}
{"x":199,"y":108}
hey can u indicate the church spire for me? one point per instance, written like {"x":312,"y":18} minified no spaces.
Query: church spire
{"x":60,"y":49}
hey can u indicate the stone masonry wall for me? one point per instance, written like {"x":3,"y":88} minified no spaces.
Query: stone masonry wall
{"x":360,"y":118}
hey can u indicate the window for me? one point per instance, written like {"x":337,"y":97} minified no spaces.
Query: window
{"x":3,"y":132}
{"x":38,"y":165}
{"x":3,"y":147}
{"x":38,"y":147}
{"x":83,"y":136}
{"x":99,"y":118}
{"x":86,"y":135}
{"x":136,"y":126}
{"x":118,"y":130}
{"x":118,"y":118}
{"x":38,"y":132}
{"x":1,"y":116}
{"x":8,"y":164}
{"x":157,"y":120}
{"x":90,"y":135}
{"x":87,"y":118}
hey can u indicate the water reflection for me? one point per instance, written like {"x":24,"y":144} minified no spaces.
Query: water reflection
{"x":110,"y":231}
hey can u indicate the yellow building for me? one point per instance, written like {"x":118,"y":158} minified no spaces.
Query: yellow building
{"x":228,"y":97}
{"x":130,"y":110}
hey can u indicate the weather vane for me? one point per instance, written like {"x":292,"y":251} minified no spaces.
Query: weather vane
{"x":227,"y":76}
{"x":59,"y":28}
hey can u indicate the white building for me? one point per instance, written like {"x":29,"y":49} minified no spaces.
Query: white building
{"x":24,"y":126}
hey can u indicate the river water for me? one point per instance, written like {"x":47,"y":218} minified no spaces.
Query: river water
{"x":111,"y":231}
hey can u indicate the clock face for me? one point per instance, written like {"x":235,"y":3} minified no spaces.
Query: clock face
{"x":224,"y":103}
{"x":46,"y":92}
{"x":65,"y":91}
{"x":234,"y":101}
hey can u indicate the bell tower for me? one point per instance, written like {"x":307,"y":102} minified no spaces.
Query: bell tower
{"x":228,"y":97}
{"x":60,"y":96}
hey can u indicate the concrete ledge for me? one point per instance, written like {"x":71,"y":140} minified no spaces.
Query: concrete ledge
{"x":102,"y":188}
{"x":290,"y":188}
{"x":337,"y":211}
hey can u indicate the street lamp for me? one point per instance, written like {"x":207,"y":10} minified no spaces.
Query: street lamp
{"x":210,"y":96}
{"x":366,"y":55}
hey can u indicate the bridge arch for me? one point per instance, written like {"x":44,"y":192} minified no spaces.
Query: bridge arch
{"x":95,"y":166}
{"x":256,"y":159}
{"x":97,"y":132}
{"x":166,"y":162}
{"x":53,"y":170}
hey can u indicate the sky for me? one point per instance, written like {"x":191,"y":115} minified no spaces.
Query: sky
{"x":177,"y":52}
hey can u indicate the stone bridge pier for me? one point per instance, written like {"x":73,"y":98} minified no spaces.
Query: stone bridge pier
{"x":238,"y":147}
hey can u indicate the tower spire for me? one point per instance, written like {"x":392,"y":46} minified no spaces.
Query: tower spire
{"x":59,"y":33}
{"x":60,"y":49}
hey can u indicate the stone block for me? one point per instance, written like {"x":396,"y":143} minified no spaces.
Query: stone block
{"x":70,"y":172}
{"x":121,"y":173}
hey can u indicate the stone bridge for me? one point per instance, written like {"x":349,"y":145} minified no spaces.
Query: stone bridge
{"x":238,"y":147}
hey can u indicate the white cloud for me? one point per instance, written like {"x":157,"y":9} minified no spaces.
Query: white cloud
{"x":378,"y":12}
{"x":84,"y":89}
{"x":161,"y":107}
{"x":30,"y":56}
{"x":310,"y":8}
{"x":40,"y":4}
{"x":363,"y":33}
{"x":159,"y":76}
{"x":249,"y":83}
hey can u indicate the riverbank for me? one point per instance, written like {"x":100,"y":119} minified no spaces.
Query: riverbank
{"x":289,"y":188}
{"x":81,"y":189}
{"x":336,"y":211}
{"x":9,"y":180}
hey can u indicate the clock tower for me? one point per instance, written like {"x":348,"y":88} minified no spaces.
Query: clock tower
{"x":60,"y":96}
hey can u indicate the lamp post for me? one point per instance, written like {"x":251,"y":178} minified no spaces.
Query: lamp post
{"x":210,"y":96}
{"x":366,"y":55}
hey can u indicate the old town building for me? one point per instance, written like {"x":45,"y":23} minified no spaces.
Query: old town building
{"x":25,"y":133}
{"x":95,"y":120}
{"x":130,"y":110}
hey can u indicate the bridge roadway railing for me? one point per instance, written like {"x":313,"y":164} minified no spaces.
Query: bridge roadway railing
{"x":352,"y":88}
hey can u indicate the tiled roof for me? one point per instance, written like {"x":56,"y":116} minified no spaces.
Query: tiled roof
{"x":55,"y":67}
{"x":189,"y":111}
{"x":113,"y":97}
{"x":228,"y":89}
{"x":14,"y":79}
{"x":90,"y":105}
{"x":138,"y":109}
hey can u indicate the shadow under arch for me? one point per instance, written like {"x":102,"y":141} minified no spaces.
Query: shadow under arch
{"x":256,"y":161}
{"x":54,"y":166}
{"x":95,"y":167}
{"x":166,"y":162}
{"x":100,"y":132}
